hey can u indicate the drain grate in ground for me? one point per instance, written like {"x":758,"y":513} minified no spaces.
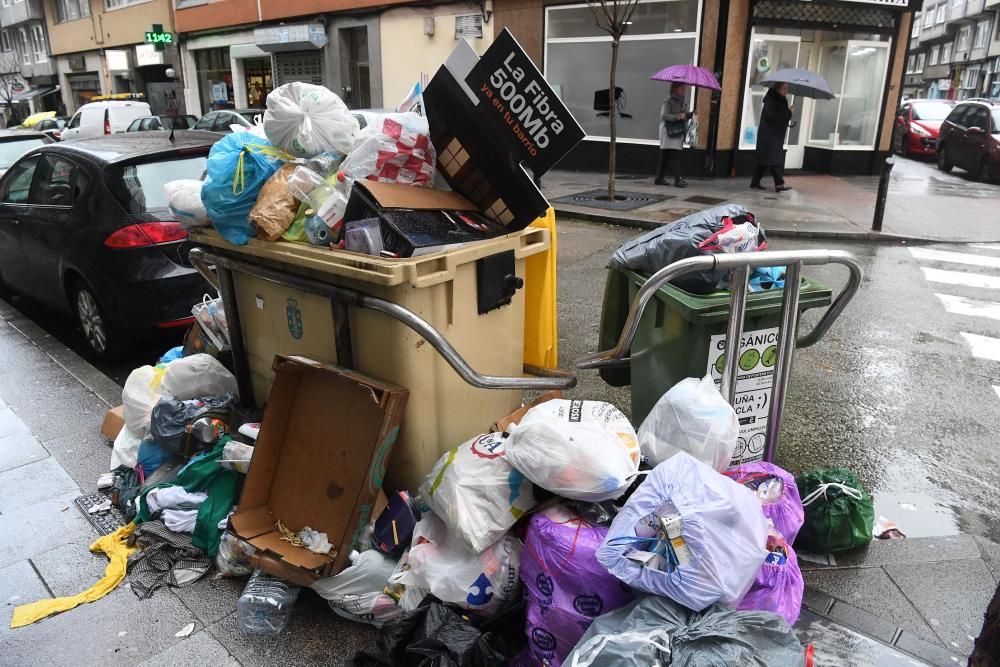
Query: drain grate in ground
{"x":105,"y":522}
{"x":626,"y":201}
{"x":702,"y":199}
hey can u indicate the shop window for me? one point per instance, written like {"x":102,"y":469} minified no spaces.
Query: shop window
{"x":578,"y":54}
{"x":215,"y":78}
{"x":856,"y":73}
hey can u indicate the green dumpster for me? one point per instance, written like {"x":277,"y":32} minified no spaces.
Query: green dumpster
{"x":683,"y":335}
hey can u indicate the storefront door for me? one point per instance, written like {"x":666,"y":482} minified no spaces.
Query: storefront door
{"x":768,"y":54}
{"x":798,"y":134}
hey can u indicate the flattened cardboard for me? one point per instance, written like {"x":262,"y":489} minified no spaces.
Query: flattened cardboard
{"x":114,"y":420}
{"x":319,"y":461}
{"x":397,"y":195}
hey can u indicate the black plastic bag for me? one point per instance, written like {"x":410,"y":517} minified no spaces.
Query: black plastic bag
{"x":171,"y":417}
{"x":434,"y":635}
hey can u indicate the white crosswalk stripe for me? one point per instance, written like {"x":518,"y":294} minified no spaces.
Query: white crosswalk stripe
{"x":983,"y":347}
{"x":931,"y":255}
{"x":985,"y":246}
{"x":959,"y":305}
{"x":961,"y":278}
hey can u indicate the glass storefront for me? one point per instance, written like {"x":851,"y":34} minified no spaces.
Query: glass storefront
{"x":855,"y":66}
{"x":215,"y":78}
{"x":257,"y":72}
{"x":578,"y":59}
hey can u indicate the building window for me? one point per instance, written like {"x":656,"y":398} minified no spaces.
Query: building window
{"x":935,"y":55}
{"x":963,"y":39}
{"x":946,"y":53}
{"x":38,"y":42}
{"x":920,"y":62}
{"x":118,"y":4}
{"x":71,"y":10}
{"x":578,"y":53}
{"x":970,"y":78}
{"x":982,"y":34}
{"x":469,"y":26}
{"x":957,"y":4}
{"x":942,"y":12}
{"x":915,"y":32}
{"x":910,"y":63}
{"x":22,"y":46}
{"x":6,"y":3}
{"x":929,"y":18}
{"x":856,"y":72}
{"x":5,"y":41}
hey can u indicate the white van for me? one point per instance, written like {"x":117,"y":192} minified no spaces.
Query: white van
{"x":108,"y":117}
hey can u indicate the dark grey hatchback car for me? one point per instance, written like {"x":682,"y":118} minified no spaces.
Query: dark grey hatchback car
{"x":85,"y":229}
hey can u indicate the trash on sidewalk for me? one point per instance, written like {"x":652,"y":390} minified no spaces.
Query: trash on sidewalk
{"x":275,"y":207}
{"x":779,"y":585}
{"x":777,"y":492}
{"x":887,"y":530}
{"x":166,"y":558}
{"x":691,"y":417}
{"x":304,"y":119}
{"x":114,"y":421}
{"x":357,"y":593}
{"x":233,"y":557}
{"x":722,"y":527}
{"x":393,"y":528}
{"x":266,"y":604}
{"x":839,"y":513}
{"x":583,"y":450}
{"x":654,"y":630}
{"x":185,"y":631}
{"x":174,"y":423}
{"x":302,"y":475}
{"x":564,"y":586}
{"x":476,"y":492}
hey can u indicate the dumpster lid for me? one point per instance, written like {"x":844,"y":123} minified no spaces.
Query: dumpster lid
{"x":398,"y":195}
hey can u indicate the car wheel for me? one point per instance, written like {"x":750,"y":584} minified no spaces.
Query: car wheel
{"x":986,"y":174}
{"x":942,"y":159}
{"x":97,"y":329}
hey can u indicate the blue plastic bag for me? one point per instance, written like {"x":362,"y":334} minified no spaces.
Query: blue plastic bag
{"x":238,"y":165}
{"x":722,"y":524}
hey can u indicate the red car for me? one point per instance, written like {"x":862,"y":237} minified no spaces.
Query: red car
{"x":917,"y":125}
{"x":970,"y":139}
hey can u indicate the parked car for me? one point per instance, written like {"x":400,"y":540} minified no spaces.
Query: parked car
{"x":107,"y":117}
{"x":85,"y":229}
{"x":219,"y":121}
{"x":184,"y":122}
{"x":917,"y":125}
{"x":15,"y":143}
{"x":970,"y":139}
{"x":51,"y":127}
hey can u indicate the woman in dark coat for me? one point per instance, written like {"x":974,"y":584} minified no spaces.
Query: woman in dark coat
{"x":774,"y":119}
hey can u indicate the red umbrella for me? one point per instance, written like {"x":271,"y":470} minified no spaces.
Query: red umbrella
{"x":692,"y":75}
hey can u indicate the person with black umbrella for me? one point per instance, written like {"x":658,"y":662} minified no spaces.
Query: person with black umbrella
{"x":775,"y":117}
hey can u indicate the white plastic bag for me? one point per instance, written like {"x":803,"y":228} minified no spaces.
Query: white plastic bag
{"x":139,"y":395}
{"x":305,"y":120}
{"x":357,"y":592}
{"x":691,"y":417}
{"x":184,"y":200}
{"x":584,"y":450}
{"x":197,"y":376}
{"x":476,"y":491}
{"x":477,"y":582}
{"x":126,"y":449}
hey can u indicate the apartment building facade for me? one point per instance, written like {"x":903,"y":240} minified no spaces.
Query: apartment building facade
{"x":28,"y":81}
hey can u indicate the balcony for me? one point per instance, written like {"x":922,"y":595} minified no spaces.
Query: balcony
{"x":33,"y":69}
{"x":19,"y":12}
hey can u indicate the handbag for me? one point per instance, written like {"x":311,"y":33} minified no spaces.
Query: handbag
{"x":675,"y":128}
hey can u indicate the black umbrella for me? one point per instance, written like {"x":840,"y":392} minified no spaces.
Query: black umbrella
{"x":801,"y":82}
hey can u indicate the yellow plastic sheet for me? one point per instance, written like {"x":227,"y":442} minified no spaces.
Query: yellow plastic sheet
{"x":114,"y":547}
{"x":541,"y":336}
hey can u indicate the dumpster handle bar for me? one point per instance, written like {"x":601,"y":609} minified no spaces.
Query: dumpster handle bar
{"x":200,"y":260}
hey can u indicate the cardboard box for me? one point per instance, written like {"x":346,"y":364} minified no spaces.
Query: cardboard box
{"x":114,"y":421}
{"x":418,"y":221}
{"x":503,"y":425}
{"x":319,"y":461}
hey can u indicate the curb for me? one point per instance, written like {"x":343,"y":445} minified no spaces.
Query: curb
{"x":865,"y":236}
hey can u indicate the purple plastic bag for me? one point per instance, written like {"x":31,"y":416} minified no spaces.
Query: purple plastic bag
{"x":564,"y":585}
{"x":786,"y":513}
{"x":777,"y":587}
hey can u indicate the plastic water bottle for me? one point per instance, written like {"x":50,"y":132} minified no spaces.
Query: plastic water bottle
{"x":266,"y":604}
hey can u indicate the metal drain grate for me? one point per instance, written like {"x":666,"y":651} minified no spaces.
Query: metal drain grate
{"x":105,"y":522}
{"x":627,"y":201}
{"x":702,"y":199}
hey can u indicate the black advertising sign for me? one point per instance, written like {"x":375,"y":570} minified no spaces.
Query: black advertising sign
{"x":517,"y":103}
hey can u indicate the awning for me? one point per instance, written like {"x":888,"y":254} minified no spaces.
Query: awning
{"x":32,"y":93}
{"x":241,"y":51}
{"x":299,"y":37}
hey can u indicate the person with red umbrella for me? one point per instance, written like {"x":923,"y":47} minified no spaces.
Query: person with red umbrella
{"x":674,"y":116}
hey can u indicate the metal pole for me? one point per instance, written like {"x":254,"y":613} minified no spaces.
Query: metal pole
{"x":786,"y":347}
{"x":241,"y":366}
{"x":883,"y":193}
{"x":739,"y":279}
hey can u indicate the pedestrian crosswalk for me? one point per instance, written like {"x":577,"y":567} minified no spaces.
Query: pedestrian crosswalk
{"x":964,"y":280}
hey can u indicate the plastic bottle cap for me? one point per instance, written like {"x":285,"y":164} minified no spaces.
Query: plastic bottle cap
{"x":353,"y":556}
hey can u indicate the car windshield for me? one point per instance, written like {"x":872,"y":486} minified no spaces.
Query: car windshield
{"x":11,"y":150}
{"x":931,"y":111}
{"x":139,"y":187}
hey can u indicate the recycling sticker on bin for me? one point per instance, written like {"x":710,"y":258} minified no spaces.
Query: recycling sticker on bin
{"x":754,"y":384}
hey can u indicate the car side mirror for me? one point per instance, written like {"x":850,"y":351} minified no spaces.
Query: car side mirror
{"x":976,"y":130}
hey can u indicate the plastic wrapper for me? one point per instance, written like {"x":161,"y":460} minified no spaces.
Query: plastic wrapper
{"x":184,"y":200}
{"x":172,"y":419}
{"x":309,"y":187}
{"x":238,"y":166}
{"x":721,"y":523}
{"x":476,"y":492}
{"x":139,"y":395}
{"x":679,"y":240}
{"x":357,"y":594}
{"x":778,"y":585}
{"x":777,"y":492}
{"x":839,"y":513}
{"x":305,"y":120}
{"x":583,"y":450}
{"x":691,"y":417}
{"x":657,"y":631}
{"x":276,"y":206}
{"x":233,"y":558}
{"x":442,"y":564}
{"x":197,"y":376}
{"x":564,"y":586}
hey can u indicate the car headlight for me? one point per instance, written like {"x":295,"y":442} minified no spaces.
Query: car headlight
{"x":918,"y":130}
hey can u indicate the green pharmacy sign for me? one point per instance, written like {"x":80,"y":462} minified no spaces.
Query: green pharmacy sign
{"x":158,"y":37}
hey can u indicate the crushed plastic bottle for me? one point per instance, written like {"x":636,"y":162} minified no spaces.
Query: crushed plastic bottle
{"x":266,"y":604}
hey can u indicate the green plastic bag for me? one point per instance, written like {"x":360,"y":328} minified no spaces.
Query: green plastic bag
{"x":839,"y":513}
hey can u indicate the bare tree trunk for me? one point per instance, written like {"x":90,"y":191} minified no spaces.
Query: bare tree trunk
{"x":614,"y":119}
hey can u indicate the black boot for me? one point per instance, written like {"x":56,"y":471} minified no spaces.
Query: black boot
{"x":680,"y":182}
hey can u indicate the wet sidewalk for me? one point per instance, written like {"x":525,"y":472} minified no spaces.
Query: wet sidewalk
{"x":923,"y":203}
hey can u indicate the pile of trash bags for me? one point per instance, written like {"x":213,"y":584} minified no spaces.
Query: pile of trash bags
{"x":290,"y":176}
